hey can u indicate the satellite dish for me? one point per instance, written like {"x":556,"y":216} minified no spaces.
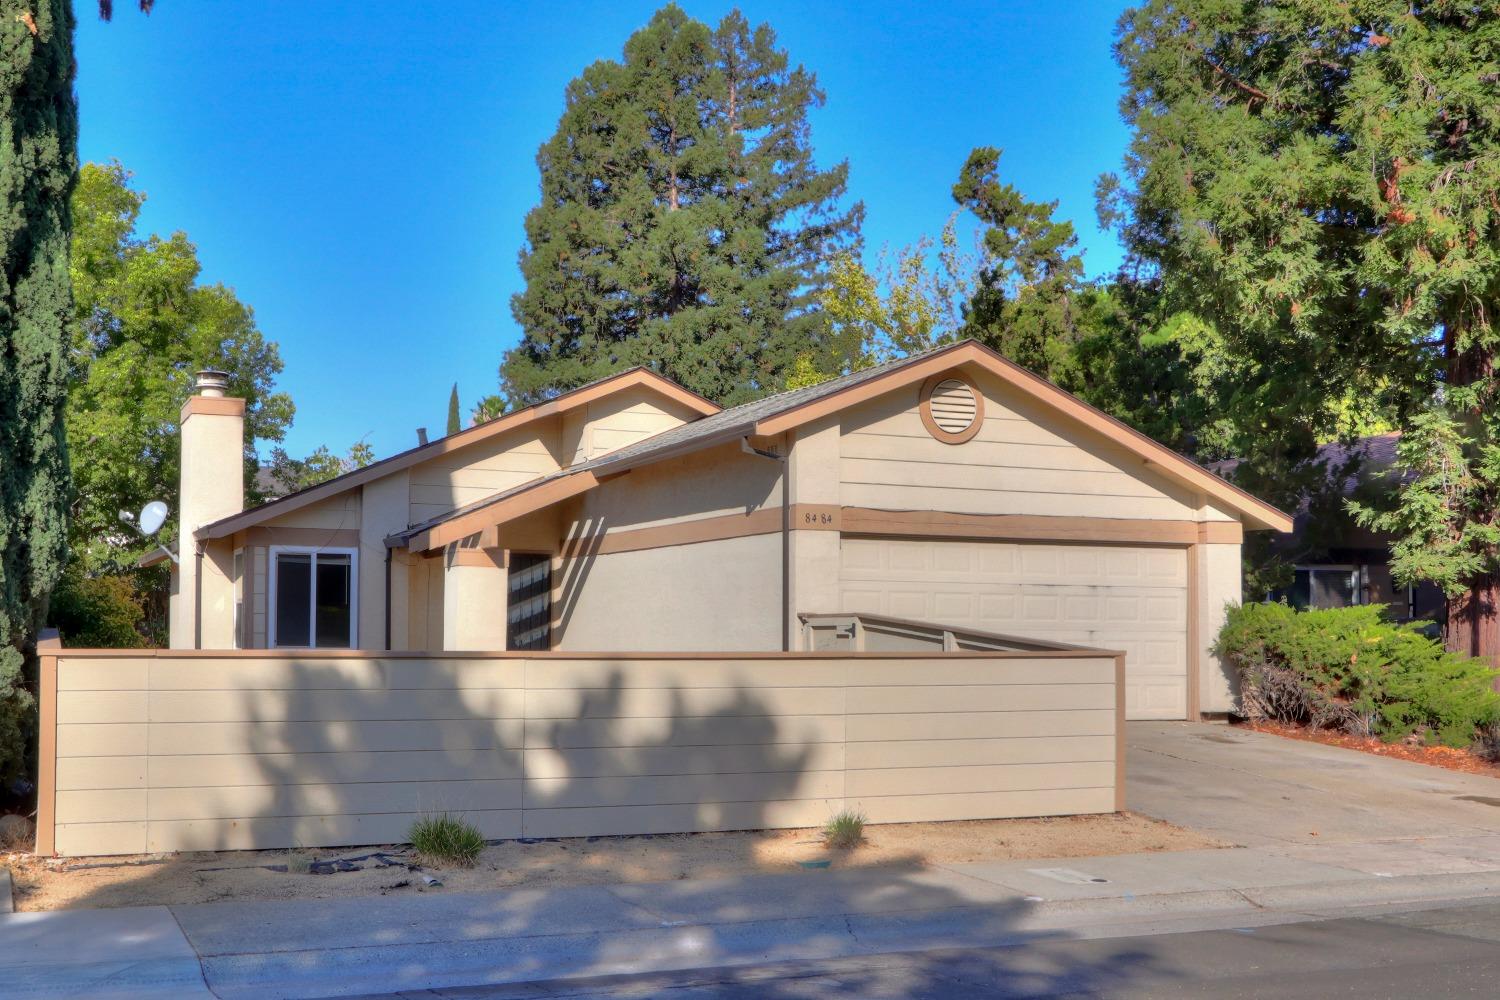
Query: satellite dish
{"x":153,"y":516}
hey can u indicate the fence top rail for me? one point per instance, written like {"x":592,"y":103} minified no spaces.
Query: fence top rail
{"x":385,"y":654}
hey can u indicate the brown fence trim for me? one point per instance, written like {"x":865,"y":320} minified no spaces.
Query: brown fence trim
{"x":48,"y":647}
{"x":382,"y":654}
{"x":1120,"y":732}
{"x":1194,"y":634}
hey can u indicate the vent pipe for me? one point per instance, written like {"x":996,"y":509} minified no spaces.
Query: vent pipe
{"x":211,"y":382}
{"x":421,"y":436}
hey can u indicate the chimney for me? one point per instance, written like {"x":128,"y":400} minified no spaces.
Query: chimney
{"x":421,"y":437}
{"x":212,"y":487}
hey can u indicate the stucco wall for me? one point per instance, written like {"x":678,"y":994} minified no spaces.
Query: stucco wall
{"x":1220,"y":575}
{"x":708,"y":595}
{"x":720,"y":595}
{"x":197,"y":751}
{"x":211,"y":487}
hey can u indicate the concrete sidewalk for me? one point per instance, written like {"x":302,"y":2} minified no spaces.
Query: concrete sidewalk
{"x":1325,"y":831}
{"x":317,"y":948}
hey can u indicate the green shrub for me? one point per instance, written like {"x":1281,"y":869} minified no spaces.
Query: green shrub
{"x":1355,"y":670}
{"x":446,"y":839}
{"x":97,"y":612}
{"x":845,"y":830}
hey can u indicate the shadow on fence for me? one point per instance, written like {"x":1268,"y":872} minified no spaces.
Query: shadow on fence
{"x":344,"y":752}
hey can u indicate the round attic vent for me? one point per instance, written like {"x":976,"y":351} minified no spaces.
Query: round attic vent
{"x":952,"y":409}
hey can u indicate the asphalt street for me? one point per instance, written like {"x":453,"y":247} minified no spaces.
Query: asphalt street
{"x":1432,"y":954}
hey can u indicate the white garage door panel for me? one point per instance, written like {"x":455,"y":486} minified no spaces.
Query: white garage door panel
{"x":1118,"y":597}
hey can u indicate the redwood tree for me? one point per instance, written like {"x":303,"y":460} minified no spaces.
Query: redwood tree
{"x":1314,"y":186}
{"x":683,"y":222}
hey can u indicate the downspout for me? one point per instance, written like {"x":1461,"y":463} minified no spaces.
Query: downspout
{"x":198,"y":597}
{"x":786,"y":540}
{"x":387,"y":598}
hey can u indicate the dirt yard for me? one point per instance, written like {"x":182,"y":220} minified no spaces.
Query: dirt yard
{"x":1451,"y":758}
{"x":53,"y":883}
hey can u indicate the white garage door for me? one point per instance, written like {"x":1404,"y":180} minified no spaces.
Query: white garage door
{"x":1117,"y":597}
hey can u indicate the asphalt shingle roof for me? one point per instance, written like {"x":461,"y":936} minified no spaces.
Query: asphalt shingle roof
{"x":726,"y":424}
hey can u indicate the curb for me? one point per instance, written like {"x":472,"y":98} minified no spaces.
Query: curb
{"x":525,"y":959}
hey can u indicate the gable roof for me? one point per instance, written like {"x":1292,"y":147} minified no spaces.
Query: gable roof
{"x":787,"y":410}
{"x":570,"y":400}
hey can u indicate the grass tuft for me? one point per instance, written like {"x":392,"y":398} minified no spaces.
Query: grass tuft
{"x":845,"y":830}
{"x":446,"y":839}
{"x":298,"y":862}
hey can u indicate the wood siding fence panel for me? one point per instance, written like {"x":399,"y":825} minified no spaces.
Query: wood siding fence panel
{"x":170,"y":751}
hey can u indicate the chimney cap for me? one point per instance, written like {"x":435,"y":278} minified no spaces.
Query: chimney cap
{"x":211,"y":382}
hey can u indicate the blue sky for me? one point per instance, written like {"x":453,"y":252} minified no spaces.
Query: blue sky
{"x":359,"y":172}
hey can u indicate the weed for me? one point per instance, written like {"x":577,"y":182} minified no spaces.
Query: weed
{"x":446,"y":839}
{"x":845,"y":830}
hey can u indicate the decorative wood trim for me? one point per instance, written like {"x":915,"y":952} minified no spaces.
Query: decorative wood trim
{"x":247,"y":585}
{"x":1154,"y":454}
{"x":321,"y":538}
{"x":219,"y":406}
{"x":924,"y":407}
{"x":488,"y":557}
{"x":520,"y":504}
{"x":1016,"y":527}
{"x":48,"y":647}
{"x":1121,"y":750}
{"x":761,"y":521}
{"x":1221,"y":532}
{"x":642,"y":377}
{"x":1194,"y":630}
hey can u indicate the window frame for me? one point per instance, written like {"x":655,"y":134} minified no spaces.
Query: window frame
{"x":240,"y":558}
{"x":273,"y":574}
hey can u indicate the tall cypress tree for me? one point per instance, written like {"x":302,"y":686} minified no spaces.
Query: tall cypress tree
{"x":38,"y":163}
{"x":683,"y":223}
{"x":455,"y":422}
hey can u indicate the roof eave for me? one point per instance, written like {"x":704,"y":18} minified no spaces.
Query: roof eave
{"x":571,"y":400}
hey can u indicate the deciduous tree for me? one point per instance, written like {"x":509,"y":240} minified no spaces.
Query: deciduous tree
{"x":143,"y":325}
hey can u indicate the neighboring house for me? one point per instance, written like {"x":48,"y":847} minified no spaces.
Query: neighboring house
{"x":952,"y":488}
{"x":1337,"y":562}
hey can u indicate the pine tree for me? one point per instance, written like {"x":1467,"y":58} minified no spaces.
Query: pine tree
{"x":38,"y":163}
{"x":683,"y":223}
{"x":1313,"y":188}
{"x":455,"y":422}
{"x":1023,"y":305}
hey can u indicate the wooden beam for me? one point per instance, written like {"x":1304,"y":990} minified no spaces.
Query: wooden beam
{"x":1016,"y":527}
{"x":512,"y":507}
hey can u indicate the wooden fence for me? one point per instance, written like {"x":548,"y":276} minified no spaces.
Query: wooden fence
{"x":146,"y":751}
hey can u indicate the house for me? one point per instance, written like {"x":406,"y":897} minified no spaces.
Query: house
{"x":951,"y":488}
{"x":1336,"y":562}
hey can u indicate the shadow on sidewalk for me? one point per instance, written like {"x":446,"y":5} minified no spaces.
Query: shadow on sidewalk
{"x":323,"y":759}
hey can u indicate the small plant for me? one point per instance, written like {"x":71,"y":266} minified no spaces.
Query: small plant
{"x":446,"y":839}
{"x":298,"y":862}
{"x":845,"y":830}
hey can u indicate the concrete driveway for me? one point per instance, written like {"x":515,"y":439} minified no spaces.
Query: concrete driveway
{"x":1257,"y":790}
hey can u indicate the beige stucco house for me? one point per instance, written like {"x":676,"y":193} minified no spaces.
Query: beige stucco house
{"x":952,"y":488}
